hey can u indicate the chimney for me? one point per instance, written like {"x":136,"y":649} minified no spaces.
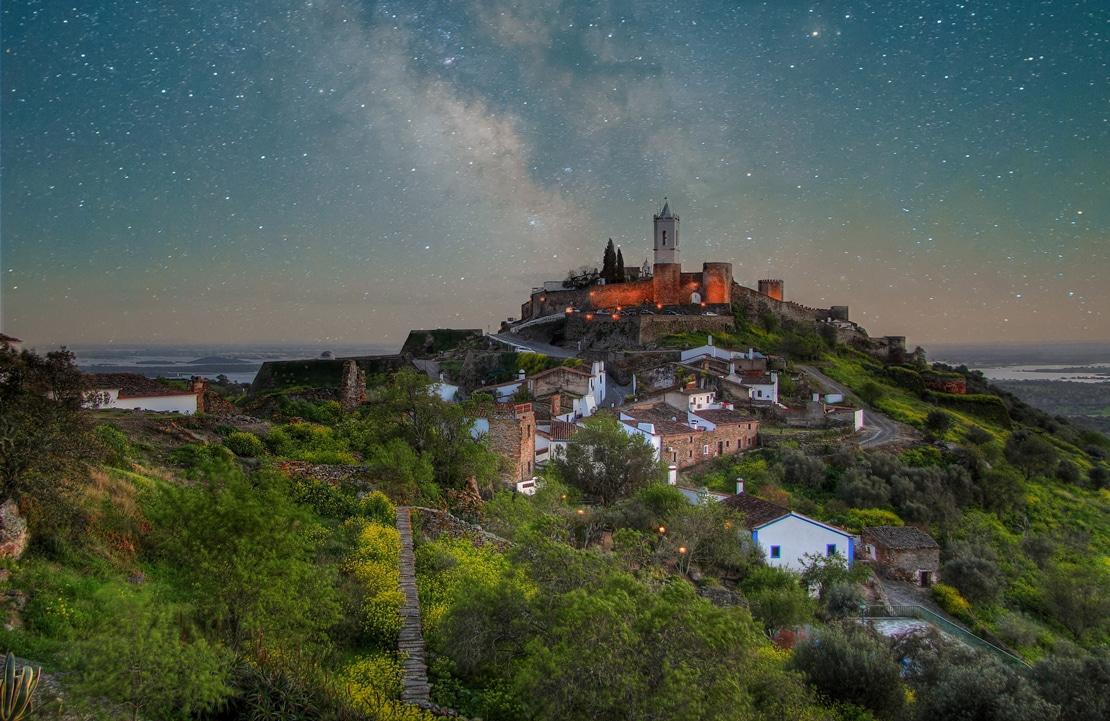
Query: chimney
{"x":751,"y":353}
{"x":556,"y":404}
{"x":710,"y":340}
{"x":816,"y":397}
{"x":739,"y":486}
{"x":672,"y":475}
{"x":521,"y":375}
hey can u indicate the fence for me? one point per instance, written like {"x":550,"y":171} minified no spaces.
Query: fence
{"x":961,"y":634}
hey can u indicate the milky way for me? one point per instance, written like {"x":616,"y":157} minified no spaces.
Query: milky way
{"x":249,"y":172}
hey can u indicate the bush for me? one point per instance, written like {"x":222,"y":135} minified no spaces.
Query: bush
{"x":951,"y":601}
{"x":245,"y":445}
{"x":852,"y":663}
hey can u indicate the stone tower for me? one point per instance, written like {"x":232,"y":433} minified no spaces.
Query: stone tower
{"x":666,"y":236}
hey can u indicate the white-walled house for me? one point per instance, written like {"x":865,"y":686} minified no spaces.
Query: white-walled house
{"x":786,"y":537}
{"x":131,"y":391}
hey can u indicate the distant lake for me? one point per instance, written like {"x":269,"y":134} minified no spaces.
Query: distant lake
{"x":239,"y":364}
{"x":1095,"y":373}
{"x":1079,"y":362}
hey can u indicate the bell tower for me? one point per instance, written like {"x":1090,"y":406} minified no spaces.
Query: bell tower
{"x":666,"y":236}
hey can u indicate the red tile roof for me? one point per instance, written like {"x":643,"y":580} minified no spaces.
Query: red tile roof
{"x":133,"y":385}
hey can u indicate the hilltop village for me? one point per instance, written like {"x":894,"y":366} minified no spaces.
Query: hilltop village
{"x":655,"y":494}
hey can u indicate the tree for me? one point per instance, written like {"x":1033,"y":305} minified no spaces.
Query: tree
{"x":1078,"y":597}
{"x":619,"y":270}
{"x":825,"y":572}
{"x":1030,"y":453}
{"x":974,"y":572}
{"x":711,"y":536}
{"x":605,"y":462}
{"x":938,"y":422}
{"x":243,"y":554}
{"x":609,"y":264}
{"x":871,"y":392}
{"x":140,"y":659}
{"x":1079,"y":686}
{"x":851,"y":662}
{"x":45,"y":435}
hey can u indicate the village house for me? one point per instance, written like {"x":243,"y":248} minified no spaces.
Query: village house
{"x":684,"y":438}
{"x":905,"y":553}
{"x":785,"y":536}
{"x":132,"y":391}
{"x":570,"y":393}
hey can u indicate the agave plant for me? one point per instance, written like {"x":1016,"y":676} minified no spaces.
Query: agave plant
{"x":16,"y":689}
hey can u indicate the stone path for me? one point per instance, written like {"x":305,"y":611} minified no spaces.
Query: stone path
{"x":414,"y":674}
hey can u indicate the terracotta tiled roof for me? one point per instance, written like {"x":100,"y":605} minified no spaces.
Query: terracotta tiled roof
{"x":903,"y":537}
{"x":562,"y":430}
{"x":133,"y":385}
{"x":4,"y":338}
{"x":757,"y":512}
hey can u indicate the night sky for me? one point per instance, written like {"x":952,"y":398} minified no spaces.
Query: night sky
{"x":341,"y":172}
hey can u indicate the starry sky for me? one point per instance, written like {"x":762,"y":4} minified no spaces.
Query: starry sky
{"x":339,"y":172}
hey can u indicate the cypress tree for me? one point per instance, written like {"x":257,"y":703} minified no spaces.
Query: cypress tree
{"x":620,"y":266}
{"x":609,"y":263}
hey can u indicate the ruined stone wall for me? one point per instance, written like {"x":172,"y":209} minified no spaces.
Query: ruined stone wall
{"x":654,"y":327}
{"x":432,"y":523}
{"x":945,"y":384}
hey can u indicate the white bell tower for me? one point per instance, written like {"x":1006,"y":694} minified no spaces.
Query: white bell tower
{"x":666,"y":236}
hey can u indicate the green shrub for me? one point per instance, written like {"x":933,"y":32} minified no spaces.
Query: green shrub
{"x":245,"y":444}
{"x":952,"y":602}
{"x":115,"y":445}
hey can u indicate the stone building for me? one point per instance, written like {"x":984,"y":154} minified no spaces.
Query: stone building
{"x":683,"y":438}
{"x":512,"y":434}
{"x":904,"y":552}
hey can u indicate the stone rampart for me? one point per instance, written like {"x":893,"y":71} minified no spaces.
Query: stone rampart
{"x":433,"y":523}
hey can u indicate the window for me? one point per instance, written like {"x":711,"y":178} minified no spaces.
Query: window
{"x":830,"y":549}
{"x":705,"y":450}
{"x":776,"y":552}
{"x":689,"y":454}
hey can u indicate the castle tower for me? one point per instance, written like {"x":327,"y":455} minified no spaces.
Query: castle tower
{"x":772,"y":288}
{"x":666,"y":236}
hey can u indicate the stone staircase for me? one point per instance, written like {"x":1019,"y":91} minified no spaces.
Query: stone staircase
{"x":414,"y":673}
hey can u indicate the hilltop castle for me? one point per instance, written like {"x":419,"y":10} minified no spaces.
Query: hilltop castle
{"x":668,"y":286}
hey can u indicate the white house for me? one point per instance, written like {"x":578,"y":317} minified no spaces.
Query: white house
{"x":131,"y":391}
{"x":786,"y":537}
{"x":763,"y":390}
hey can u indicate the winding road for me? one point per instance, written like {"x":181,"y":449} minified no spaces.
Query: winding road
{"x":882,"y":429}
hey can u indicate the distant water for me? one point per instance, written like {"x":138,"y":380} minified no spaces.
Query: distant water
{"x":1081,"y":362}
{"x":240,"y":364}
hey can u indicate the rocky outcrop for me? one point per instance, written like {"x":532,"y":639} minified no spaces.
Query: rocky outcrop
{"x":13,"y":531}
